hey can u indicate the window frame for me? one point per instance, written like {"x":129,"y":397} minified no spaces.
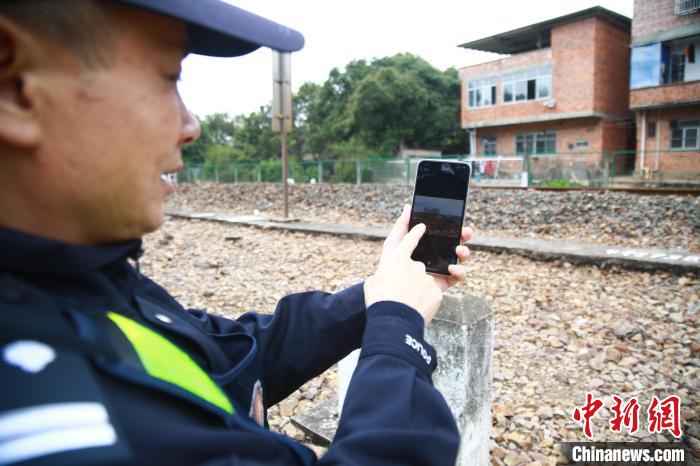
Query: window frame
{"x":490,"y":144}
{"x":684,"y":126}
{"x":518,"y":83}
{"x":480,"y":86}
{"x":545,"y":138}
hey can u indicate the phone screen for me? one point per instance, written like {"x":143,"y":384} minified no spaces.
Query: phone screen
{"x":439,"y":200}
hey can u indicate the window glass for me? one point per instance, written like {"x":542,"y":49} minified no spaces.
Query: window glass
{"x":684,"y":134}
{"x":651,"y":129}
{"x":676,"y":138}
{"x":540,"y":147}
{"x":544,"y":86}
{"x":482,"y":92}
{"x":677,"y":71}
{"x":645,"y":66}
{"x":535,"y":83}
{"x":490,"y":145}
{"x":508,"y":92}
{"x":536,"y":143}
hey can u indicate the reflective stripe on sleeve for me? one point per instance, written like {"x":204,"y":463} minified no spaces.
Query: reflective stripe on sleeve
{"x":35,"y":431}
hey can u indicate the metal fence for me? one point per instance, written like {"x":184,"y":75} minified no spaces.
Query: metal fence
{"x":600,"y":170}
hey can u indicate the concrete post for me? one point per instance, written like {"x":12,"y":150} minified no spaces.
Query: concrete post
{"x":462,"y":334}
{"x":320,"y":171}
{"x":358,"y":170}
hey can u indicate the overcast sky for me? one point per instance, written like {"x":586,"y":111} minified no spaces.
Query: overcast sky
{"x":339,"y":32}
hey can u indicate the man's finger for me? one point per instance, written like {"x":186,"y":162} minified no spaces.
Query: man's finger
{"x":400,"y":228}
{"x":410,"y":241}
{"x":467,"y":234}
{"x":457,"y":272}
{"x":462,"y":252}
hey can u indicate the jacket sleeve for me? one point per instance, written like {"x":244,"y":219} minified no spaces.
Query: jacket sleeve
{"x":392,"y":414}
{"x":307,"y":334}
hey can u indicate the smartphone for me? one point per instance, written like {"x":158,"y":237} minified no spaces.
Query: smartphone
{"x":439,"y":201}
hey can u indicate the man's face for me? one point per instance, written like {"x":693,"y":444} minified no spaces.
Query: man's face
{"x":110,"y":133}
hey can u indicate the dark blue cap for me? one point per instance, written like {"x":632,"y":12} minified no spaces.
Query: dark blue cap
{"x":220,"y":29}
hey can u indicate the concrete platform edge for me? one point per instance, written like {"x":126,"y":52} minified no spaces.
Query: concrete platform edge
{"x":539,"y":249}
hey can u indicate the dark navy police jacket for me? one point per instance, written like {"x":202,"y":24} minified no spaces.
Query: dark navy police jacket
{"x":100,"y":365}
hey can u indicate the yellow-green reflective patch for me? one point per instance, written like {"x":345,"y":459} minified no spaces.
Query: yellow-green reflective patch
{"x":165,"y":361}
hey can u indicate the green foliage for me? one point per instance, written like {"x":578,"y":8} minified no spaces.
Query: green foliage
{"x":561,"y":183}
{"x":215,"y":141}
{"x":382,"y":105}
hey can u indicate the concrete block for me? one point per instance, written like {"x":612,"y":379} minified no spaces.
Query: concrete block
{"x":319,"y":422}
{"x":462,"y":335}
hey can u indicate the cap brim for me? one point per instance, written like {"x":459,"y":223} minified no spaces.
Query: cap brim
{"x":222,"y":30}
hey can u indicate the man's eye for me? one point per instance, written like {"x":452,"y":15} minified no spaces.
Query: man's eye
{"x":174,"y":77}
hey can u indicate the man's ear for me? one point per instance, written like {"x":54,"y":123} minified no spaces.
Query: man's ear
{"x":19,"y":123}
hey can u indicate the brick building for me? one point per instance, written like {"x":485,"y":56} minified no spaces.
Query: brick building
{"x":665,"y":87}
{"x":563,"y":90}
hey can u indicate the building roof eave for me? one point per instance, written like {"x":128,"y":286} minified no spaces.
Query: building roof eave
{"x":538,"y":35}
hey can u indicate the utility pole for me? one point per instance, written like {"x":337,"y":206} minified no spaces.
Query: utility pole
{"x":282,"y":110}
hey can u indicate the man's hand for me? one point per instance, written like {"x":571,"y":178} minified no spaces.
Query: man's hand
{"x":399,"y":278}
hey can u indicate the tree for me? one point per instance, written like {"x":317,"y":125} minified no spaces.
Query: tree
{"x":215,"y":141}
{"x":405,"y":101}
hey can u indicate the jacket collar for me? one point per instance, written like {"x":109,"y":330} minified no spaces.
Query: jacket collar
{"x":22,"y":252}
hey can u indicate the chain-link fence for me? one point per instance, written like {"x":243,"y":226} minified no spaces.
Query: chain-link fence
{"x":615,"y":169}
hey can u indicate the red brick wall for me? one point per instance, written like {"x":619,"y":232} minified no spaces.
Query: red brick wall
{"x":568,"y":132}
{"x":611,"y":69}
{"x":504,"y":65}
{"x":590,"y":72}
{"x":666,"y":94}
{"x":653,"y":16}
{"x":683,"y":164}
{"x":616,"y":134}
{"x":573,"y":65}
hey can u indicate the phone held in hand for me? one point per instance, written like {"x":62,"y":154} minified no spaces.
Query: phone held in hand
{"x":439,"y":201}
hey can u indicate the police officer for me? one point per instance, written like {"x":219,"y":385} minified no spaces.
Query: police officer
{"x":100,"y":365}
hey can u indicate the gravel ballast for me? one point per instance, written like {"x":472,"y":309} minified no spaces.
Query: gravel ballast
{"x":670,"y":222}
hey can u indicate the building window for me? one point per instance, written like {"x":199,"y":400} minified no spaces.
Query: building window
{"x":645,"y":66}
{"x":664,"y":63}
{"x":676,"y":72}
{"x":651,"y":129}
{"x":582,"y":144}
{"x":490,"y":145}
{"x":536,"y":143}
{"x":482,"y":93}
{"x":684,"y":134}
{"x":685,"y":7}
{"x":527,"y":85}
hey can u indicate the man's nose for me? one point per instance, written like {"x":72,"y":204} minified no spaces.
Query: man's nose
{"x":190,"y":127}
